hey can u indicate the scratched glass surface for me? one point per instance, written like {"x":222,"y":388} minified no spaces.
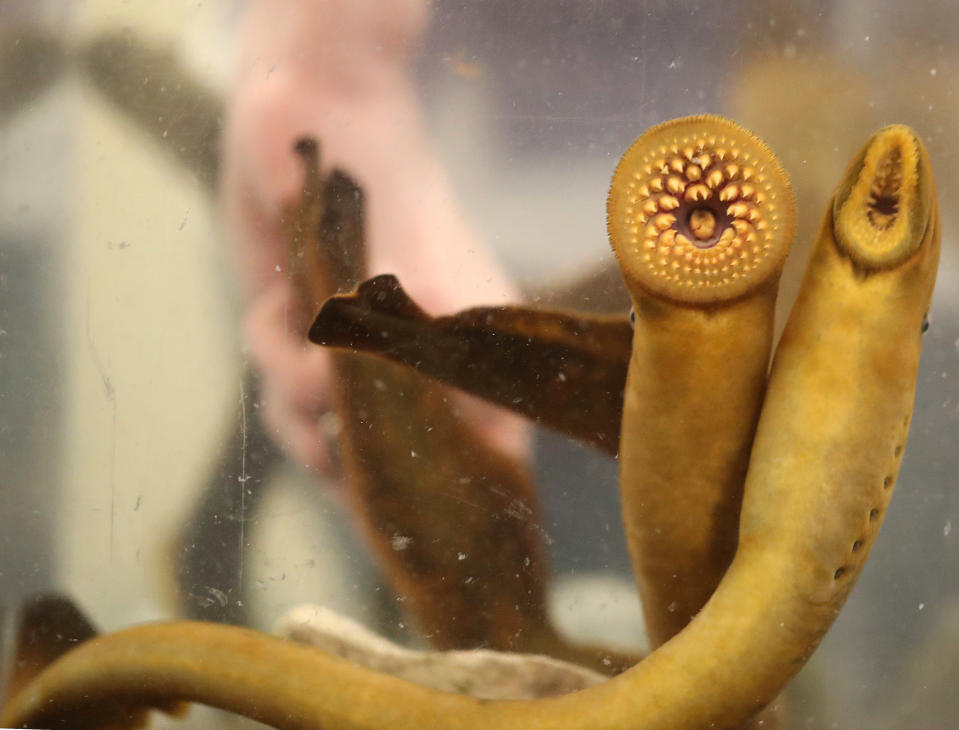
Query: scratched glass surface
{"x":137,"y":476}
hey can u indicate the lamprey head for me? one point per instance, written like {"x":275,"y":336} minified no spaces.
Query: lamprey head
{"x":700,"y":212}
{"x":884,"y":203}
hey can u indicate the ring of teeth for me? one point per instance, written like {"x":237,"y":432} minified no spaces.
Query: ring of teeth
{"x":702,"y":210}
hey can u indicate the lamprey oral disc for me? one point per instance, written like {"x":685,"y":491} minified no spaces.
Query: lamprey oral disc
{"x":700,"y":211}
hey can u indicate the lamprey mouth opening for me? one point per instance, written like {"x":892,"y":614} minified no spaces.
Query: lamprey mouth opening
{"x":700,"y":211}
{"x":882,"y":207}
{"x":703,"y":223}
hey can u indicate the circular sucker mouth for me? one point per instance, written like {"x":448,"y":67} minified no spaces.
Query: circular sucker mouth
{"x":700,"y":211}
{"x":882,"y":206}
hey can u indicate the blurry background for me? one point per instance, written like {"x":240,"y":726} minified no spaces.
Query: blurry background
{"x":121,"y":370}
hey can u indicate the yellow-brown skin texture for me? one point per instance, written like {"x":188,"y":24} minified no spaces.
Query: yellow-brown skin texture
{"x":703,"y":335}
{"x":824,"y":460}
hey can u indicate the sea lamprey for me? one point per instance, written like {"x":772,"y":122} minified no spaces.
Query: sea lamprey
{"x":824,"y":460}
{"x":701,"y":216}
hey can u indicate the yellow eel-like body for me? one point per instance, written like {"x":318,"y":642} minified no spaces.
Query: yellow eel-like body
{"x":701,"y":217}
{"x":824,"y":460}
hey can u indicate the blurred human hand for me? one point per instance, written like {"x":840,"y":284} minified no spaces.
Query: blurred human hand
{"x":339,"y":70}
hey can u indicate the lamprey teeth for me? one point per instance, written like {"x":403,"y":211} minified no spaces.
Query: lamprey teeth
{"x":730,"y":192}
{"x":714,"y":179}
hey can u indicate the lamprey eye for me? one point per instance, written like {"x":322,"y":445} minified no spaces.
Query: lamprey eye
{"x":700,"y":211}
{"x":632,"y":318}
{"x":925,"y":324}
{"x":881,"y":208}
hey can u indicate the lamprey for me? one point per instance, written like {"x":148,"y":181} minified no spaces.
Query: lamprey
{"x":701,"y":217}
{"x":824,"y":460}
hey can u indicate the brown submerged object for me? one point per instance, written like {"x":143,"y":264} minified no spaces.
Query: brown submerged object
{"x":563,"y":370}
{"x":417,"y":481}
{"x":454,"y":523}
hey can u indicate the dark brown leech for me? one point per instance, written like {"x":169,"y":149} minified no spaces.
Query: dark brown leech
{"x":563,"y":370}
{"x":454,"y":524}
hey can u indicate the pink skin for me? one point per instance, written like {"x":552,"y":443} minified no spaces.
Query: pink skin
{"x":339,"y":70}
